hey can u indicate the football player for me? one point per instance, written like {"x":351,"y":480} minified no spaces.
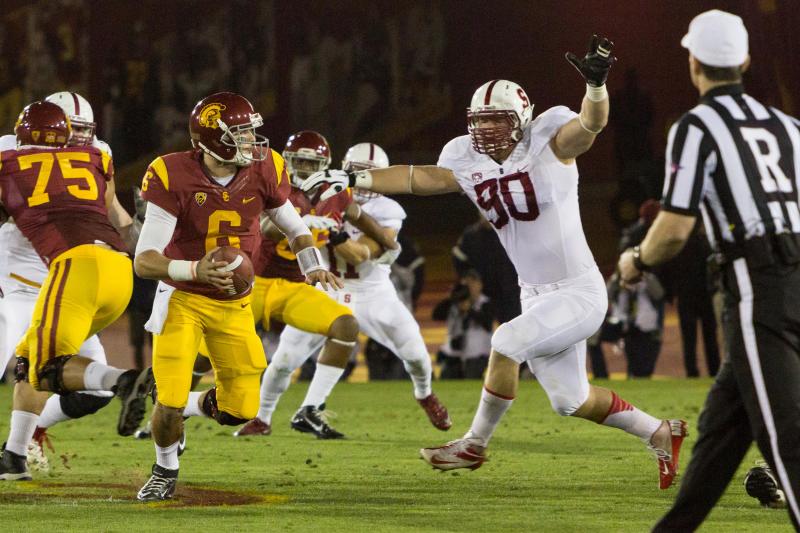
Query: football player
{"x":281,"y":294}
{"x":59,"y":197}
{"x":370,"y":294}
{"x":22,"y":273}
{"x":199,"y":200}
{"x":521,"y":173}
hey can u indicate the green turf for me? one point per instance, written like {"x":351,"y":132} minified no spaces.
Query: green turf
{"x":545,"y":473}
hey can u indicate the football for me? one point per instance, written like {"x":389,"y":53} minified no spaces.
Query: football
{"x":240,"y":265}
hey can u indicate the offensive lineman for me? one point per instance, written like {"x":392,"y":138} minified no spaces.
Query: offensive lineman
{"x":369,"y":292}
{"x":47,"y":187}
{"x":521,"y":173}
{"x":22,"y":273}
{"x":199,"y":200}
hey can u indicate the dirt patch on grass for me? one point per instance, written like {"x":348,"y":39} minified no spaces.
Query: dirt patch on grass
{"x":187,"y":495}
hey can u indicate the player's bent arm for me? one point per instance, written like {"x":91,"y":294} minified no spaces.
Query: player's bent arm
{"x":577,"y":136}
{"x":364,"y":248}
{"x":369,"y":226}
{"x":288,"y":221}
{"x":666,"y":237}
{"x":151,"y":263}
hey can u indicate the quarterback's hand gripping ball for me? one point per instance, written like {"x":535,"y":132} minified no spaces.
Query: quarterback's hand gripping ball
{"x":318,"y":222}
{"x":336,"y":180}
{"x":596,"y":63}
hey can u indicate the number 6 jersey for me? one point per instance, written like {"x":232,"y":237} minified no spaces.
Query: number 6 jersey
{"x":531,"y":199}
{"x":209,"y":214}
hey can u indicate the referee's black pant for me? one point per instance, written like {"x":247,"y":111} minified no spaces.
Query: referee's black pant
{"x":756,"y":395}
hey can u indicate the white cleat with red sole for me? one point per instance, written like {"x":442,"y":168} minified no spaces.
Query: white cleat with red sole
{"x":460,"y":453}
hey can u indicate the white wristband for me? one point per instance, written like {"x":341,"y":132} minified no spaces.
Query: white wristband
{"x":310,"y":260}
{"x":180,"y":270}
{"x":363,"y":179}
{"x":596,"y":94}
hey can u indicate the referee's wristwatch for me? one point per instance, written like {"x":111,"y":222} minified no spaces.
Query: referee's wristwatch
{"x":637,"y":260}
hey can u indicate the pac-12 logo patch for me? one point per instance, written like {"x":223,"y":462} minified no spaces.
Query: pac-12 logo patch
{"x":200,"y":198}
{"x":477,"y":176}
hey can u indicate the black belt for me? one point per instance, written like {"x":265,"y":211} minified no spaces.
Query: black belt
{"x":759,"y":252}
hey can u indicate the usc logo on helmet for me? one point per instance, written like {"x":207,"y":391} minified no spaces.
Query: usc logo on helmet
{"x":210,"y":114}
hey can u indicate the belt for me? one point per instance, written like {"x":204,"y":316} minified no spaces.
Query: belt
{"x":759,"y":252}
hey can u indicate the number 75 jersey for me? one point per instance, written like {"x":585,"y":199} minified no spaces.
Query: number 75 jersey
{"x":57,"y":197}
{"x":531,"y":199}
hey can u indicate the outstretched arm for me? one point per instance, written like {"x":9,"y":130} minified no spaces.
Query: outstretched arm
{"x":577,"y":136}
{"x":399,"y":179}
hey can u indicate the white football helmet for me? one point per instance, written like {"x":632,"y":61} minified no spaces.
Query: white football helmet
{"x":363,"y":156}
{"x":506,"y":104}
{"x":80,"y":114}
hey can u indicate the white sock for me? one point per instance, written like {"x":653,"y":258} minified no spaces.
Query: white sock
{"x":193,"y":404}
{"x":273,"y":385}
{"x":325,"y":378}
{"x":52,"y":413}
{"x":420,"y":372}
{"x":167,"y":457}
{"x":490,"y":411}
{"x":23,"y":424}
{"x":98,"y":376}
{"x":626,"y":417}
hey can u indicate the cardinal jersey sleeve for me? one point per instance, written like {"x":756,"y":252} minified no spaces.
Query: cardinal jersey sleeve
{"x":155,"y":187}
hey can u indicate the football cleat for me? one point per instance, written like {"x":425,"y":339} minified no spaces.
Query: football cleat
{"x":760,"y":483}
{"x":37,"y":460}
{"x":132,"y":388}
{"x":668,"y":460}
{"x":437,"y":413}
{"x":144,"y":433}
{"x":467,"y":452}
{"x":255,"y":427}
{"x":182,"y":443}
{"x":309,"y":419}
{"x":160,"y":486}
{"x":13,"y":467}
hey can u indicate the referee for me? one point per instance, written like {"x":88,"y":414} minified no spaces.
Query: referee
{"x":736,"y":162}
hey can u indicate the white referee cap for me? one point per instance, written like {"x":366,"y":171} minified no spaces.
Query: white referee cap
{"x":717,"y":39}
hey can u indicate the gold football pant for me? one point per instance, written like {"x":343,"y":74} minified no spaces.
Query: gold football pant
{"x":235,"y":351}
{"x":295,"y":304}
{"x":87,"y":288}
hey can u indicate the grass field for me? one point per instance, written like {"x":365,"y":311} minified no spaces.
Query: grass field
{"x":545,"y":473}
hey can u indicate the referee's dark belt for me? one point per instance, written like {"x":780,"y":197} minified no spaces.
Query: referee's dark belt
{"x":759,"y":252}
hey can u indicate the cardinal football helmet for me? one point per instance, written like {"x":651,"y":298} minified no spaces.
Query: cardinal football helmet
{"x":364,"y":156}
{"x":80,"y":115}
{"x":504,"y":102}
{"x":223,"y":125}
{"x":43,"y":124}
{"x":306,"y":152}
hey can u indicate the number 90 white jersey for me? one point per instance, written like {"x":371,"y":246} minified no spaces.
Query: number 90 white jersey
{"x":531,"y":199}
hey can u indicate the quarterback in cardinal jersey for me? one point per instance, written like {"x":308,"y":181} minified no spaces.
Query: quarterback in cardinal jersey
{"x":521,"y":173}
{"x":198,"y":201}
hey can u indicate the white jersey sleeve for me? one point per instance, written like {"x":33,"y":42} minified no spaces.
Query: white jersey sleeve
{"x":102,"y":145}
{"x":8,"y":142}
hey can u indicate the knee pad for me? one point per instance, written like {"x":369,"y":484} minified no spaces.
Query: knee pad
{"x":51,"y":375}
{"x":509,"y":339}
{"x":21,"y":370}
{"x":227,"y":419}
{"x":78,"y":404}
{"x":564,"y":405}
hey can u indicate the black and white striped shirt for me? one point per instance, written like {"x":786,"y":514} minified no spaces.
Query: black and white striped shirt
{"x":737,"y":163}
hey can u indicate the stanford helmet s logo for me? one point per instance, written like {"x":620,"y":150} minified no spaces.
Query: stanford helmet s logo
{"x":200,"y":198}
{"x":211,"y":114}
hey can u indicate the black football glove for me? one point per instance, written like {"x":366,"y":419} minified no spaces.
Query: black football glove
{"x":596,"y":63}
{"x":338,"y":237}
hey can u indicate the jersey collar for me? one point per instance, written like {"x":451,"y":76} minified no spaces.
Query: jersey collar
{"x":731,"y":89}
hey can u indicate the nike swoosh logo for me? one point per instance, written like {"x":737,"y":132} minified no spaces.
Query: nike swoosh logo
{"x":245,"y":305}
{"x":162,"y":290}
{"x":666,"y":469}
{"x":248,"y":200}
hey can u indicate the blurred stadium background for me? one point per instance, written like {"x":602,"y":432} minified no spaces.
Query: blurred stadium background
{"x":396,"y":73}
